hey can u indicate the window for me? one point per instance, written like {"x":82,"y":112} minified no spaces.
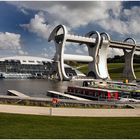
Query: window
{"x":38,"y":61}
{"x":31,"y":61}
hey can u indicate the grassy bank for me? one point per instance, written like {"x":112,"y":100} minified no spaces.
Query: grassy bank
{"x":29,"y":126}
{"x":116,"y":69}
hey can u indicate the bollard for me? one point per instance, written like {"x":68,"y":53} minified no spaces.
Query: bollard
{"x":51,"y":111}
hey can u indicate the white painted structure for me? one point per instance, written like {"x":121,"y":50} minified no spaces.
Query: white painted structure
{"x":128,"y":71}
{"x":97,"y":58}
{"x":97,"y":49}
{"x":28,"y":60}
{"x":17,"y":93}
{"x":79,"y":58}
{"x":67,"y":96}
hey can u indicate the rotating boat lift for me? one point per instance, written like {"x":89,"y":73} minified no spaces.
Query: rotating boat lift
{"x":97,"y":44}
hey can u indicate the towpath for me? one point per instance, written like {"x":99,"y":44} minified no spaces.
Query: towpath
{"x":69,"y":111}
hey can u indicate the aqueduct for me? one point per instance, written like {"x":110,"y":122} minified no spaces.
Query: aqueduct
{"x":98,"y":44}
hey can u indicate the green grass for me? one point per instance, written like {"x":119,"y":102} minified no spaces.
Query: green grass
{"x":116,"y":69}
{"x":39,"y":127}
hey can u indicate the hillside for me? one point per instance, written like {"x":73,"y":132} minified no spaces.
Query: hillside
{"x":115,"y":70}
{"x":120,"y":59}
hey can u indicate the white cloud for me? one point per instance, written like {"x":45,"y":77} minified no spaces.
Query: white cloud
{"x":21,"y":52}
{"x":24,"y":11}
{"x":73,"y":13}
{"x":74,"y":48}
{"x":10,"y":41}
{"x":48,"y":52}
{"x":38,"y":25}
{"x":112,"y":52}
{"x":126,"y":23}
{"x":110,"y":15}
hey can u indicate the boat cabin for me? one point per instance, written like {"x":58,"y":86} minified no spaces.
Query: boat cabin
{"x":93,"y":93}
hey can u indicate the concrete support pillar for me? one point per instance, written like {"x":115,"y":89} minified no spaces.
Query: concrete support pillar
{"x":59,"y":55}
{"x":128,"y":71}
{"x":98,"y":67}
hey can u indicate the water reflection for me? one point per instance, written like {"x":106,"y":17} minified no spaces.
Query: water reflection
{"x":34,"y":87}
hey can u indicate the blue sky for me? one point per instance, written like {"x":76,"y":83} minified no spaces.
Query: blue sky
{"x":25,"y":26}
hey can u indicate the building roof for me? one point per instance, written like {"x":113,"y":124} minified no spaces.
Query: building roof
{"x":26,"y":59}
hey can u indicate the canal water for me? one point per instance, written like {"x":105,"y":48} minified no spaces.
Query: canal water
{"x":34,"y":87}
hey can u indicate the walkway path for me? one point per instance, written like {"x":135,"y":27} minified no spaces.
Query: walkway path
{"x":69,"y":111}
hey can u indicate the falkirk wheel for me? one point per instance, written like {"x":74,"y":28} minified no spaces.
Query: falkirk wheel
{"x":97,"y":44}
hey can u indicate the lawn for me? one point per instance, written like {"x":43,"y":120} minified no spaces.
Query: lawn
{"x":39,"y":127}
{"x":116,"y":69}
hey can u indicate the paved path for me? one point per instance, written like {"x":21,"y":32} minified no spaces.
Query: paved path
{"x":70,"y":111}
